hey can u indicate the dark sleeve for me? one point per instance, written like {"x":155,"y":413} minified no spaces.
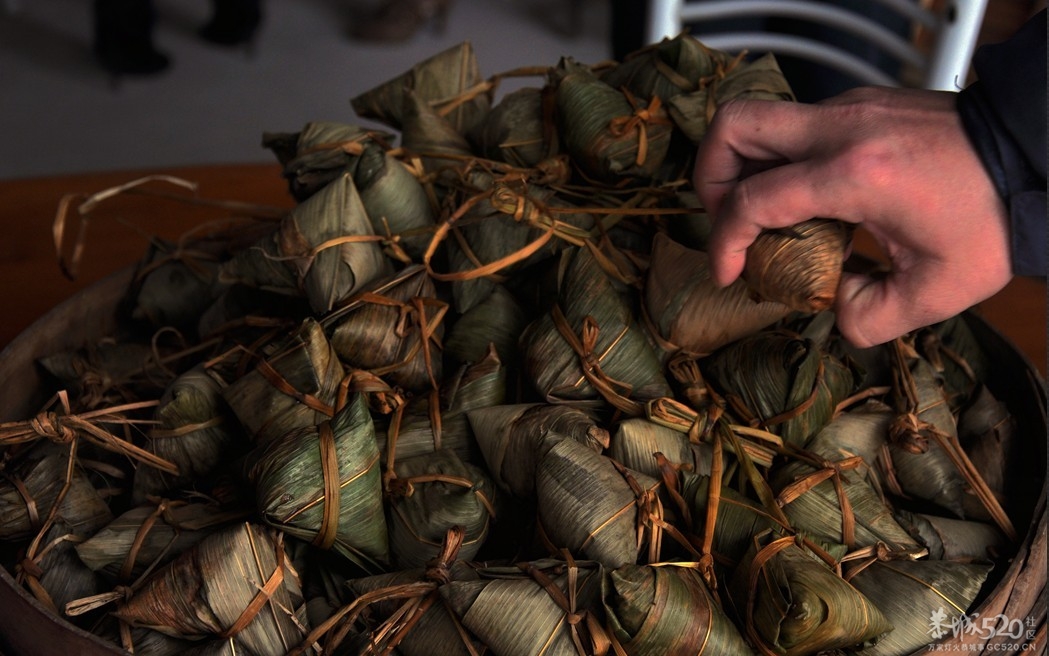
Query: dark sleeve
{"x":1004,"y":114}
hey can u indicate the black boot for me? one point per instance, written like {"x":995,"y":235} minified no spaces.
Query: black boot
{"x":123,"y":38}
{"x":233,"y":22}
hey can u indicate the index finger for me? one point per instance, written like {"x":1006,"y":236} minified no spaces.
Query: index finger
{"x":747,"y":131}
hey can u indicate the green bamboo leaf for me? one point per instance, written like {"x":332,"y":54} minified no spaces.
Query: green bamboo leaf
{"x":205,"y":591}
{"x":335,"y":506}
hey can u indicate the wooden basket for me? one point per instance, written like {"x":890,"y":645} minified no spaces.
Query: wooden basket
{"x":1016,"y":592}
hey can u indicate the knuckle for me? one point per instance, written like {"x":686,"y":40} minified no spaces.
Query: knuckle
{"x":729,"y":114}
{"x":741,"y":201}
{"x":868,"y":161}
{"x":731,"y":108}
{"x":857,"y":333}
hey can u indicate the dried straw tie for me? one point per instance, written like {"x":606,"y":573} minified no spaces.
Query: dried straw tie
{"x":405,"y":487}
{"x":329,"y":527}
{"x":418,"y":596}
{"x":64,"y":429}
{"x":412,"y":312}
{"x":327,"y":533}
{"x":582,"y":624}
{"x":880,"y":552}
{"x":640,"y":120}
{"x":912,"y":433}
{"x":70,"y":268}
{"x":704,"y":558}
{"x":278,"y":381}
{"x":413,"y":611}
{"x":590,"y":362}
{"x":832,"y":471}
{"x":162,"y":510}
{"x":761,"y":559}
{"x":393,"y":433}
{"x":754,"y":421}
{"x":482,"y":270}
{"x":438,"y":571}
{"x":261,"y":597}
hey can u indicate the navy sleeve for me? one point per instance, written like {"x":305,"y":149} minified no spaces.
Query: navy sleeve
{"x":1004,"y":114}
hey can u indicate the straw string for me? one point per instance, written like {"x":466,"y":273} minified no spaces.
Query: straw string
{"x":936,"y":351}
{"x":717,"y":471}
{"x":402,"y":621}
{"x":419,"y":597}
{"x":649,"y":517}
{"x":413,"y":317}
{"x":786,"y":415}
{"x":405,"y":487}
{"x":757,"y":567}
{"x":436,"y":419}
{"x":120,"y":593}
{"x":261,"y":598}
{"x":721,"y":71}
{"x":669,"y":477}
{"x":586,"y":632}
{"x":685,"y":370}
{"x":669,"y":473}
{"x":554,"y":170}
{"x":912,"y":433}
{"x":329,"y":527}
{"x":485,"y":269}
{"x":653,"y":114}
{"x":393,"y":433}
{"x":614,"y":391}
{"x":334,"y":242}
{"x":49,"y":425}
{"x":439,"y":568}
{"x":671,"y":75}
{"x":699,"y":427}
{"x":278,"y":381}
{"x":70,"y":267}
{"x":350,"y":612}
{"x":381,"y":396}
{"x":183,"y":254}
{"x":856,"y":561}
{"x":162,"y":510}
{"x":572,"y":617}
{"x":827,"y":471}
{"x":29,"y":569}
{"x":66,"y":429}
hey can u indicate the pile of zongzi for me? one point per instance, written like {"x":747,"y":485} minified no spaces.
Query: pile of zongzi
{"x":478,"y":393}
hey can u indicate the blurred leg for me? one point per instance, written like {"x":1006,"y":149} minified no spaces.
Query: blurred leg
{"x":233,"y":22}
{"x":628,"y":26}
{"x":123,"y":37}
{"x":399,"y":20}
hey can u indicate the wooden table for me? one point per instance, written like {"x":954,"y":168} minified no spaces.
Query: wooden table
{"x":32,"y":281}
{"x":118,"y":229}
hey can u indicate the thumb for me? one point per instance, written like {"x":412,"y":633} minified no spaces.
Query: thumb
{"x":872,"y":310}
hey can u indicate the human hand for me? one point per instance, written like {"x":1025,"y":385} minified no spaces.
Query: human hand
{"x":896,"y":161}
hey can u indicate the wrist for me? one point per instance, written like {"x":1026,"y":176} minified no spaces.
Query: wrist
{"x":1017,"y":182}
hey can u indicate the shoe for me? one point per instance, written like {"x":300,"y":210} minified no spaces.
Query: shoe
{"x":233,"y":22}
{"x":399,"y":20}
{"x":123,"y":38}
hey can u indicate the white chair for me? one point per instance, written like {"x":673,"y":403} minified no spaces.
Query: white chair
{"x":944,"y":66}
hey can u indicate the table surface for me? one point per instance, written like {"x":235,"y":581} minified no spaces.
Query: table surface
{"x":118,"y":230}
